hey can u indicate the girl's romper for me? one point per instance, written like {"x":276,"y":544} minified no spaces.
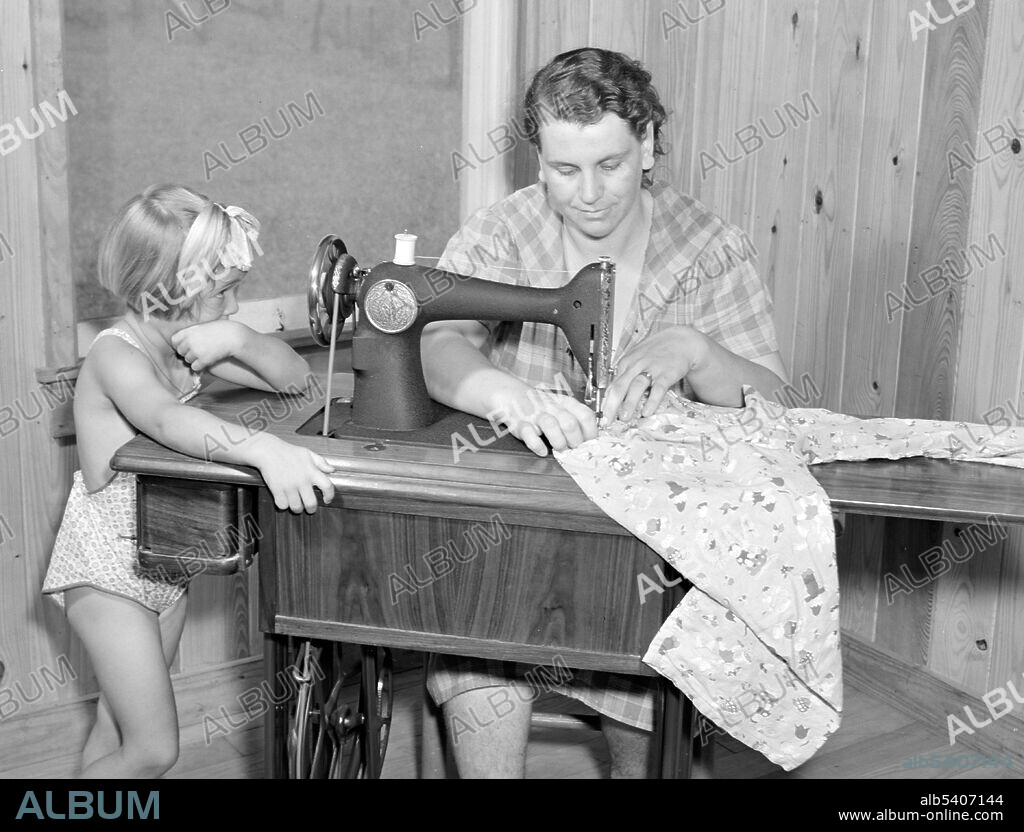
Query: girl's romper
{"x":96,"y":542}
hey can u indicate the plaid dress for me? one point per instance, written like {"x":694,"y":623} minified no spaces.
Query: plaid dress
{"x":697,"y":271}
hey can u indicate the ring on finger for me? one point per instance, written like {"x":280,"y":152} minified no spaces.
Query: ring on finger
{"x":646,"y":375}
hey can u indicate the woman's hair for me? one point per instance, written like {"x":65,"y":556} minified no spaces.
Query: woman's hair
{"x":163,"y":246}
{"x":582,"y":85}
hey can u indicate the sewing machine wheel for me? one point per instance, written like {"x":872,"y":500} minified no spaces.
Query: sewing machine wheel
{"x":378,"y":681}
{"x":333,"y":722}
{"x":314,"y":677}
{"x":333,"y":270}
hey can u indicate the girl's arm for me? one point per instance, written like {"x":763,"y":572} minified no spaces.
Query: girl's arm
{"x":129,"y":380}
{"x":237,"y":353}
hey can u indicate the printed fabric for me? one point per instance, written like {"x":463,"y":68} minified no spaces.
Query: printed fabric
{"x":724,"y":495}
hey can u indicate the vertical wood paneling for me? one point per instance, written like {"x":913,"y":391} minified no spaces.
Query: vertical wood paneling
{"x":37,"y":330}
{"x":787,"y":69}
{"x":992,"y":334}
{"x":548,"y":29}
{"x":574,"y":19}
{"x":904,"y":625}
{"x":620,"y":25}
{"x":714,"y":121}
{"x":885,"y":191}
{"x":829,"y":209}
{"x":964,"y":615}
{"x":217,"y":628}
{"x":35,"y":473}
{"x":1007,"y":645}
{"x":859,"y":553}
{"x":953,"y":87}
{"x":55,"y":231}
{"x":58,"y":289}
{"x":672,"y":56}
{"x":16,"y":97}
{"x":989,"y":372}
{"x":544,"y":28}
{"x":728,"y":74}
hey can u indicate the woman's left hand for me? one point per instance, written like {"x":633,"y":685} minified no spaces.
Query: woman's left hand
{"x":652,"y":368}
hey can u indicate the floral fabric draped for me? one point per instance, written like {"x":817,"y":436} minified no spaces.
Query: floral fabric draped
{"x":724,"y":495}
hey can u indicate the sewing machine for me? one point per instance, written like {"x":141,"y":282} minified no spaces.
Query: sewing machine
{"x":557,"y":580}
{"x":392,"y":303}
{"x":551,"y":579}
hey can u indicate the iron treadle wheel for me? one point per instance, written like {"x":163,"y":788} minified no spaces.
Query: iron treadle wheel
{"x":340,"y":717}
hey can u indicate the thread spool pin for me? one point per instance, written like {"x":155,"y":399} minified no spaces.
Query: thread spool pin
{"x":405,"y":249}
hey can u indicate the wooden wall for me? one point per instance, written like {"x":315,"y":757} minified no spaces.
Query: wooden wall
{"x":985,"y":600}
{"x":37,"y":330}
{"x":845,"y":205}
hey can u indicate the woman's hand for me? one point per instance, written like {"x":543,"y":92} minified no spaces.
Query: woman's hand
{"x":203,"y":345}
{"x":291,"y":473}
{"x":652,"y":368}
{"x":532,"y":415}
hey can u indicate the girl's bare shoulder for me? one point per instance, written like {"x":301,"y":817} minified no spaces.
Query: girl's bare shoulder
{"x":100,"y":426}
{"x":112,"y":350}
{"x":110,"y":358}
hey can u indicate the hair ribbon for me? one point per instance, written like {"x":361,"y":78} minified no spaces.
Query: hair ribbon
{"x":245,"y":231}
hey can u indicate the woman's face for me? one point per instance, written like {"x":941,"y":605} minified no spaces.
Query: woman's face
{"x":594,"y":173}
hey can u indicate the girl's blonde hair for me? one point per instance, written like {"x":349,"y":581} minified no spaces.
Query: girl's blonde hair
{"x":167,"y":244}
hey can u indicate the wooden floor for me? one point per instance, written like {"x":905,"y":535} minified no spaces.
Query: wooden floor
{"x":873,"y":742}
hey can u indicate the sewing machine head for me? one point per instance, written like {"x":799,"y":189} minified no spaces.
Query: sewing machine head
{"x":393,"y":301}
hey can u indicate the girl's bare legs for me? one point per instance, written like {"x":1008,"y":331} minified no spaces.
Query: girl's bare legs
{"x":130,"y":648}
{"x":104,"y":737}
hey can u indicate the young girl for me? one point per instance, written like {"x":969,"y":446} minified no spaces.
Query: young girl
{"x":176,"y":259}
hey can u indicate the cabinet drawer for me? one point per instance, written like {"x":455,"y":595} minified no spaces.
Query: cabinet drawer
{"x":189,"y":528}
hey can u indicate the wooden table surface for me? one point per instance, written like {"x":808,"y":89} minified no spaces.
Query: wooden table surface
{"x":531,"y":493}
{"x":917,"y":488}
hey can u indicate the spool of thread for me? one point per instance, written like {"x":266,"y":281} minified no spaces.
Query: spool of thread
{"x":405,"y":250}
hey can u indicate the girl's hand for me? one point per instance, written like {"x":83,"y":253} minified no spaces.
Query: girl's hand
{"x":653,"y":367}
{"x":291,"y":473}
{"x":532,"y":414}
{"x":203,"y":345}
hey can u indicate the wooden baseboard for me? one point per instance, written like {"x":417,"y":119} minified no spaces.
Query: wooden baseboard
{"x":931,"y":700}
